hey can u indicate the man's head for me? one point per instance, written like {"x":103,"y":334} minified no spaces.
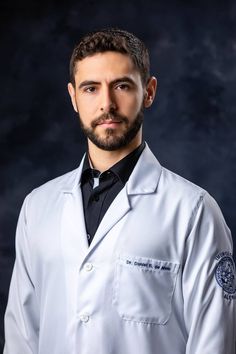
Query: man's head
{"x":110,"y":87}
{"x":115,"y":40}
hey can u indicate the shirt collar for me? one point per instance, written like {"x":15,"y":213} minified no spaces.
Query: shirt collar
{"x":122,"y":169}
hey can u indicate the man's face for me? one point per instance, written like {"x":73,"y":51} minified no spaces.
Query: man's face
{"x":109,"y":97}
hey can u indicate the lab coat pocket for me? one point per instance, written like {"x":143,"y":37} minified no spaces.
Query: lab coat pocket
{"x":143,"y":289}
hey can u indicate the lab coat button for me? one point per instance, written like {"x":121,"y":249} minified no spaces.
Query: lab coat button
{"x":84,"y":317}
{"x":88,"y":267}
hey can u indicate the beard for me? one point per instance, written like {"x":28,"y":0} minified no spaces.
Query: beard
{"x":113,"y":140}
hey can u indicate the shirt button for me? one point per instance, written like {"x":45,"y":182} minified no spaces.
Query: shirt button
{"x":88,"y":267}
{"x":84,"y":317}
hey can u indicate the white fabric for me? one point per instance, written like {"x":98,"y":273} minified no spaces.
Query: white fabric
{"x":145,"y":285}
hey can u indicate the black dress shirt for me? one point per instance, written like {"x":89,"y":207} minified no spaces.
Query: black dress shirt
{"x":100,"y":189}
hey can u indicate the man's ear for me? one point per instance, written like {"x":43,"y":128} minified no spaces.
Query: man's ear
{"x":71,"y":91}
{"x":150,"y":92}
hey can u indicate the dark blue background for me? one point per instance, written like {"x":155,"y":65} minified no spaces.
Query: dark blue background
{"x":191,"y":127}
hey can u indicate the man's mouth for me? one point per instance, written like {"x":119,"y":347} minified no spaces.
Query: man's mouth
{"x":109,"y":122}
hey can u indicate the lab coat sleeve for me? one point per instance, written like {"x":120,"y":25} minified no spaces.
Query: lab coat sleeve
{"x":209,"y":311}
{"x":21,"y":317}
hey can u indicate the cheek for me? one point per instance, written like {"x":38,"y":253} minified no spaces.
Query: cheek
{"x":131,"y":105}
{"x":86,"y":107}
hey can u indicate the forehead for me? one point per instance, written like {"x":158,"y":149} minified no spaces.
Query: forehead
{"x":110,"y":64}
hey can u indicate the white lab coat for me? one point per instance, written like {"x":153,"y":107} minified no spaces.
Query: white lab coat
{"x":146,"y":284}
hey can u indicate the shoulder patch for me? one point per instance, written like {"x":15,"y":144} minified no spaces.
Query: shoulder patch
{"x":225,"y":273}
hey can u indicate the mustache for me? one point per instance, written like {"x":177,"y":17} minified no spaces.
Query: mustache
{"x":109,"y":116}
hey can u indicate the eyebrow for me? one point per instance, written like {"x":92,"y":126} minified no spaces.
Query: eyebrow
{"x":116,"y":81}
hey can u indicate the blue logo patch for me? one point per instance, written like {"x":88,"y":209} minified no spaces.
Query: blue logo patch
{"x":225,"y":274}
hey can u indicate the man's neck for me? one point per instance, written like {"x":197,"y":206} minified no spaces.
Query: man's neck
{"x":102,"y":160}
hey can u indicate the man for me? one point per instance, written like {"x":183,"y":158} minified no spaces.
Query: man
{"x":120,"y":255}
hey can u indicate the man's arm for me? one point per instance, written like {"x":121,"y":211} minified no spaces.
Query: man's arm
{"x":209,"y":283}
{"x":21,"y":317}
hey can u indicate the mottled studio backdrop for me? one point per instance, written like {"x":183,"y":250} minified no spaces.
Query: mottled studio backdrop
{"x":191,"y":127}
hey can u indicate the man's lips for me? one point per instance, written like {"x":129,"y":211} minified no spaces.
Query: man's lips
{"x":109,"y":122}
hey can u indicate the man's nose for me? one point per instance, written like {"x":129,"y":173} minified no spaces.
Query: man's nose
{"x":108,"y":102}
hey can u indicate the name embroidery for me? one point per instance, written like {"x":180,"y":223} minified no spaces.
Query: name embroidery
{"x":147,"y":265}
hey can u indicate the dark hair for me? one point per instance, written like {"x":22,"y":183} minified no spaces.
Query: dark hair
{"x":116,"y":40}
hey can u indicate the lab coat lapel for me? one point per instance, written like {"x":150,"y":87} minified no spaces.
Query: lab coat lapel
{"x":73,"y":230}
{"x":117,"y":210}
{"x":73,"y":226}
{"x":143,"y":180}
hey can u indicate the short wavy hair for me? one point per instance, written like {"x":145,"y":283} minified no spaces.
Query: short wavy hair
{"x":116,"y":40}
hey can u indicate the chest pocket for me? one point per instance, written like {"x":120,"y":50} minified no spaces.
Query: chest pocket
{"x":143,"y":289}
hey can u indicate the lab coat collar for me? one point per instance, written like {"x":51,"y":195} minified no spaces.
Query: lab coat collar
{"x":146,"y":174}
{"x":73,"y":181}
{"x":143,"y":180}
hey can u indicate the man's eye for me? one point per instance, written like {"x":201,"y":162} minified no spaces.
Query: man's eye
{"x":123,"y":87}
{"x":90,"y":89}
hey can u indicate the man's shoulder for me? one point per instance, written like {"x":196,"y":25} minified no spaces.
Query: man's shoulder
{"x":181,"y":190}
{"x":59,"y":182}
{"x":56,"y":186}
{"x":174,"y":180}
{"x":169,"y":181}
